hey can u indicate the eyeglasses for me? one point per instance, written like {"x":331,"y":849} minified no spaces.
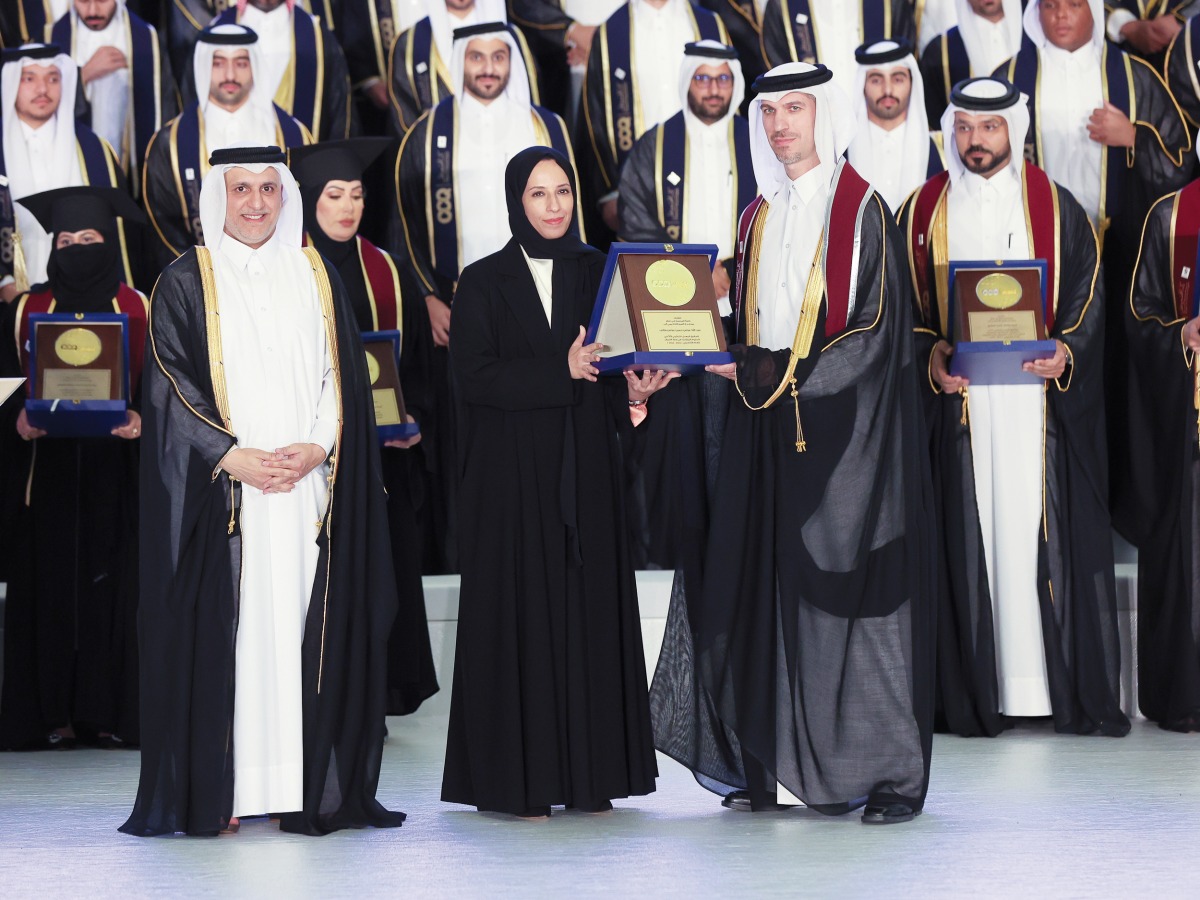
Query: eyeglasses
{"x":708,"y":79}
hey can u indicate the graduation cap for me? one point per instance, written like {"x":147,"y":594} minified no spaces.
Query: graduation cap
{"x":29,"y":51}
{"x":470,"y":31}
{"x":984,"y":94}
{"x":792,"y":81}
{"x":880,"y":53}
{"x":81,"y":207}
{"x":227,"y":36}
{"x":710,"y":49}
{"x":247,"y":156}
{"x":316,"y":164}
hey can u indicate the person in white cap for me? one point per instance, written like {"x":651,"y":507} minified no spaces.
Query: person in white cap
{"x":629,"y":87}
{"x":263,"y":620}
{"x":450,"y":193}
{"x":302,"y":64}
{"x":893,"y":148}
{"x":1110,"y":132}
{"x":988,"y":33}
{"x":42,"y":151}
{"x":1028,"y":621}
{"x":419,"y":68}
{"x":798,"y":658}
{"x":126,"y":77}
{"x":827,"y":31}
{"x":231,"y":108}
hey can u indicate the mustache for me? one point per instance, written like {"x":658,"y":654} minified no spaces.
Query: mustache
{"x":977,"y":148}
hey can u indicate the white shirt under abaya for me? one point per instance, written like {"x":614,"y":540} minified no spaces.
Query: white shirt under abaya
{"x":32,"y":169}
{"x":838,"y":33}
{"x":1069,"y":156}
{"x":281,"y":391}
{"x":109,"y":94}
{"x":937,"y":17}
{"x":489,"y":135}
{"x":987,"y":221}
{"x":709,"y":214}
{"x":658,"y":39}
{"x":795,"y":218}
{"x":275,"y":32}
{"x":247,"y":126}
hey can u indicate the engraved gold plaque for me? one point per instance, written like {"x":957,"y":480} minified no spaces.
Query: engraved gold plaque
{"x":670,"y":283}
{"x":998,"y":291}
{"x":78,"y":347}
{"x":372,"y":367}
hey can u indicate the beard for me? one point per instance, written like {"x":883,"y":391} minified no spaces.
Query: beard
{"x":991,"y":164}
{"x":705,"y":113}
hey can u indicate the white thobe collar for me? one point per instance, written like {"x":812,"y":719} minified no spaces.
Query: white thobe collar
{"x":243,"y":255}
{"x":975,"y":186}
{"x":805,"y":187}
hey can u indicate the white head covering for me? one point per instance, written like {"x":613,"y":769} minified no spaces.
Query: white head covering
{"x":835,"y":125}
{"x":202,"y":59}
{"x":915,"y":145}
{"x":442,"y":24}
{"x":970,"y":26}
{"x":710,"y":53}
{"x":289,"y":230}
{"x":1016,"y":115}
{"x":518,"y":79}
{"x":64,"y":153}
{"x":1033,"y":24}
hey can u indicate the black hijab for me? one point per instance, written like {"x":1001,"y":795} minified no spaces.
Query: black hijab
{"x":516,"y":177}
{"x":343,"y":255}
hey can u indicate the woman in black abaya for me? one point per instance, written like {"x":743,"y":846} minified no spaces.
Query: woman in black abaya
{"x":331,"y":185}
{"x":549,"y":702}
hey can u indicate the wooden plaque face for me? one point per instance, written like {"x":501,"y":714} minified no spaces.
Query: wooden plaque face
{"x":385,"y":382}
{"x":79,"y":360}
{"x":1002,"y":304}
{"x":672,"y":304}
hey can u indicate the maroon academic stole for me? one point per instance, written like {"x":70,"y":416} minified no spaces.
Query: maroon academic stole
{"x":1185,"y":245}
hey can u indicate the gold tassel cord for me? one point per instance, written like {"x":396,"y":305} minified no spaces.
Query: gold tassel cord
{"x":1196,"y":393}
{"x":232,"y":505}
{"x":966,"y":416}
{"x":801,"y":444}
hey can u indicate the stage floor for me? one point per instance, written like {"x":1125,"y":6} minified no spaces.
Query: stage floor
{"x":1029,"y":812}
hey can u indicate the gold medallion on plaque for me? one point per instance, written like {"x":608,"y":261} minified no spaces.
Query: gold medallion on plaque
{"x":998,"y":291}
{"x":670,"y":283}
{"x":78,"y":346}
{"x":372,"y":367}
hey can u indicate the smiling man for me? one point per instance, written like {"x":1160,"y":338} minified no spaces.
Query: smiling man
{"x":798,"y":656}
{"x":263,"y":628}
{"x":232,"y":109}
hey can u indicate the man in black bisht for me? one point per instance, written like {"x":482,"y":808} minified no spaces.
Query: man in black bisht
{"x":200,"y":486}
{"x":70,"y":654}
{"x":799,"y":645}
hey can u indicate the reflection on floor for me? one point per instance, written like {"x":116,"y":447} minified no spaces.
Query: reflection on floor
{"x":1028,"y":811}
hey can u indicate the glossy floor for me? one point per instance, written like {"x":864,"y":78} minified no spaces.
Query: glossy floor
{"x":1029,"y":813}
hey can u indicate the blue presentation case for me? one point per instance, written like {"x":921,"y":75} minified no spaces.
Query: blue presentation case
{"x":405,"y":430}
{"x":997,"y":362}
{"x":610,"y":323}
{"x":77,"y":418}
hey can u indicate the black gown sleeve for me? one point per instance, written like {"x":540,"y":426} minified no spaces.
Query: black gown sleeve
{"x":338,"y":117}
{"x":1163,"y":137}
{"x":406,"y":105}
{"x":411,"y":188}
{"x":774,"y":35}
{"x":162,"y":200}
{"x":636,"y":203}
{"x":598,"y":162}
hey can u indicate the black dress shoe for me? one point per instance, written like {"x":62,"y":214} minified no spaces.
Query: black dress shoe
{"x":740,"y":801}
{"x":534,"y":812}
{"x":600,"y":806}
{"x":888,"y":814}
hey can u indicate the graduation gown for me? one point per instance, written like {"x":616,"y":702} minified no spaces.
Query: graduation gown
{"x":1182,"y":76}
{"x":176,"y":163}
{"x":374,"y":288}
{"x":190,"y":565}
{"x":611,"y":120}
{"x":549,"y":703}
{"x":419,"y":79}
{"x":70,"y":654}
{"x":1133,"y":179}
{"x":744,"y":25}
{"x":23,"y":21}
{"x":426,"y":183}
{"x":788,"y":34}
{"x":1166,"y":461}
{"x":1075,"y":581}
{"x":315,"y":88}
{"x":800,"y":638}
{"x":665,"y":466}
{"x":153,"y":97}
{"x":944,"y":63}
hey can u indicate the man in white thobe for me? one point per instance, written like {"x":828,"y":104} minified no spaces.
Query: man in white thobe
{"x":892,"y":149}
{"x":1024,"y":459}
{"x":986,"y":34}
